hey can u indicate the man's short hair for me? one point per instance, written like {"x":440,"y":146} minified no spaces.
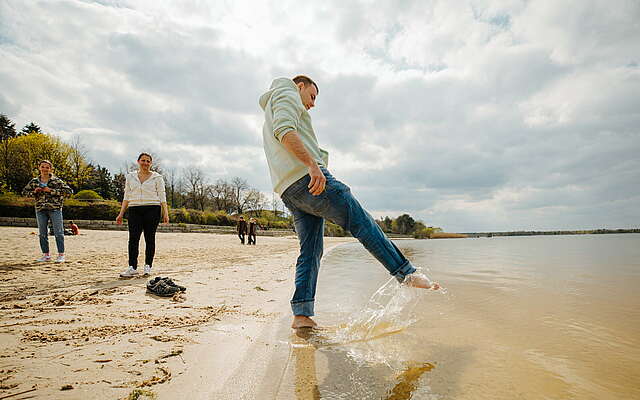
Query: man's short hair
{"x":306,"y":80}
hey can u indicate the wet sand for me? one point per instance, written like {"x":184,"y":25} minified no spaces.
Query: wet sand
{"x":75,"y":330}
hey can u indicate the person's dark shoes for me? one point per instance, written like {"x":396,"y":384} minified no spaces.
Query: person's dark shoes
{"x":164,"y":287}
{"x":153,"y":281}
{"x":170,"y":282}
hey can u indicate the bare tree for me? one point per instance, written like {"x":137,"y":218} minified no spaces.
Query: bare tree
{"x":173,"y":185}
{"x":254,"y":201}
{"x":222,"y":196}
{"x":239,"y":187}
{"x":197,"y":189}
{"x":277,"y":206}
{"x":79,"y":168}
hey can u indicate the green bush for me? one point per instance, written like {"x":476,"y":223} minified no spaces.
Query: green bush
{"x":210,"y":218}
{"x":218,"y":218}
{"x":196,"y":217}
{"x":104,"y":210}
{"x":268,"y":223}
{"x":72,"y":209}
{"x":12,"y":205}
{"x":87,"y":195}
{"x":281,"y":225}
{"x":180,"y":215}
{"x":426,"y":232}
{"x":331,"y":229}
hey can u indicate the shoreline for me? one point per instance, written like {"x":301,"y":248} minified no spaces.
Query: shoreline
{"x":77,"y":324}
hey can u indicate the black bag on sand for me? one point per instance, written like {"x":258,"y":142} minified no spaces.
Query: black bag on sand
{"x":164,"y":287}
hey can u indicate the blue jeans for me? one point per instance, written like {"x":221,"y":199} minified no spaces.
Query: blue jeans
{"x":338,"y":205}
{"x":43,"y":217}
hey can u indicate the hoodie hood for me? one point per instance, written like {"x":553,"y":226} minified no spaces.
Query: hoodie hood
{"x":278,"y":83}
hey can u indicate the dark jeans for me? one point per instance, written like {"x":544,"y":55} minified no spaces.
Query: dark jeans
{"x":338,"y":205}
{"x":241,"y":236}
{"x":143,"y":219}
{"x":252,"y":238}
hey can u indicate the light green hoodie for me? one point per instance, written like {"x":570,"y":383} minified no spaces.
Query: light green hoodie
{"x":283,"y":113}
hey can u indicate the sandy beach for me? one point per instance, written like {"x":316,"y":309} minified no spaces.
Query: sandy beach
{"x":76,"y":331}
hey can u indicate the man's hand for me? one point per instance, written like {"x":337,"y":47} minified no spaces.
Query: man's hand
{"x":165,"y":218}
{"x":318,"y":180}
{"x":46,"y":189}
{"x":291,"y":141}
{"x":119,"y":219}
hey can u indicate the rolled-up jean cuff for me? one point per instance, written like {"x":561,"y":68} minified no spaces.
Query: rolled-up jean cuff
{"x":405,"y":269}
{"x":303,"y":308}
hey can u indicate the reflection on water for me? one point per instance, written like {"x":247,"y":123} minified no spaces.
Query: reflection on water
{"x":304,"y":352}
{"x":408,"y":381}
{"x":528,"y":318}
{"x":306,"y":342}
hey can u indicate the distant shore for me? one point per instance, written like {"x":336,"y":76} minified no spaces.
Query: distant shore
{"x":539,"y":233}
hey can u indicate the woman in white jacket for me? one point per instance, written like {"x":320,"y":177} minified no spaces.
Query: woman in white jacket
{"x":144,"y":196}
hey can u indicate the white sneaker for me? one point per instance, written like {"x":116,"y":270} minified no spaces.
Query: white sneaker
{"x":60,"y":258}
{"x":44,"y":258}
{"x":147,"y":270}
{"x":129,"y":272}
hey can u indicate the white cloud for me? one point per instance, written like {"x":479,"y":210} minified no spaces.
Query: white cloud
{"x":480,"y":115}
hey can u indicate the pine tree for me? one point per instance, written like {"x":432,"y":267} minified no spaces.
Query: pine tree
{"x":31,"y":128}
{"x":101,"y":182}
{"x":7,"y":128}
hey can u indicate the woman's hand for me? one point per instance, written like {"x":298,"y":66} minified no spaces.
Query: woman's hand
{"x":119,"y":219}
{"x":165,"y":219}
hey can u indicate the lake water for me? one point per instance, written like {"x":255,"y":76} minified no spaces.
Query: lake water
{"x":539,"y":317}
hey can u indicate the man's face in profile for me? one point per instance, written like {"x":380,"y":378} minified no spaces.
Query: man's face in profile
{"x":308,"y":95}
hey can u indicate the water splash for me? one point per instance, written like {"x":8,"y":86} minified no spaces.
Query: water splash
{"x":389,"y":311}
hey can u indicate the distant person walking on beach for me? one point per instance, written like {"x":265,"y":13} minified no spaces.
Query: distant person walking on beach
{"x":144,"y":196}
{"x":298,"y":168}
{"x":49,"y":192}
{"x":242,"y":228}
{"x":253,"y":226}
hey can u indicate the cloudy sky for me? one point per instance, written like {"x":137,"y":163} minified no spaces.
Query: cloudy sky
{"x":469,"y":115}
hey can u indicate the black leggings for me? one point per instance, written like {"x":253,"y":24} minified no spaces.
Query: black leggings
{"x":143,"y":219}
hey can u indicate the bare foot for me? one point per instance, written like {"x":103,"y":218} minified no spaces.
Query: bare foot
{"x":420,"y":281}
{"x":302,"y":321}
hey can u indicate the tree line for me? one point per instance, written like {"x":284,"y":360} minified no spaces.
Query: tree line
{"x":20,"y":152}
{"x":406,"y":225}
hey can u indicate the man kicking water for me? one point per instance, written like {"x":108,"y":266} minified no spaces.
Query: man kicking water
{"x":299,"y":174}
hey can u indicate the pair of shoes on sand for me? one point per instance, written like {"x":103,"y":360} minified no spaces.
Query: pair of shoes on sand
{"x":47,"y":258}
{"x":164,"y":287}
